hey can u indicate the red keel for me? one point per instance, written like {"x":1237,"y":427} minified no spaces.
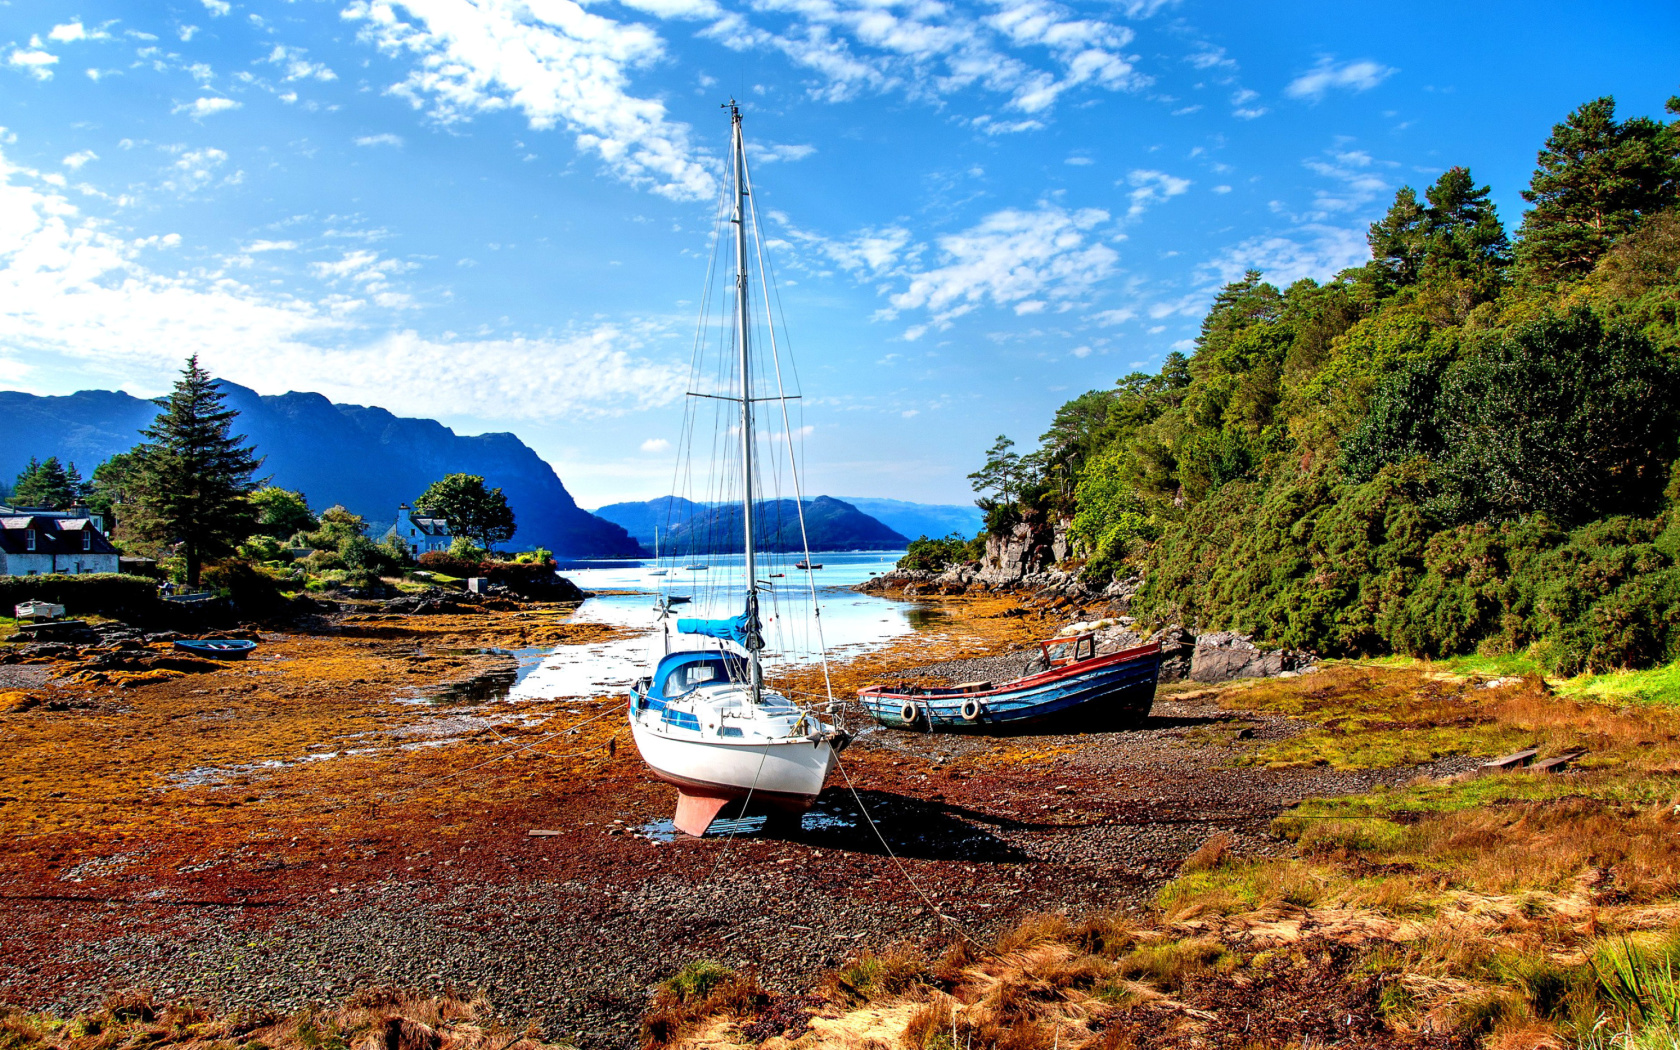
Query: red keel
{"x":695,"y":813}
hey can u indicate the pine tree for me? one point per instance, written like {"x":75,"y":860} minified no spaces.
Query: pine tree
{"x":47,"y":484}
{"x":192,"y":476}
{"x":1456,"y":236}
{"x":1595,"y":180}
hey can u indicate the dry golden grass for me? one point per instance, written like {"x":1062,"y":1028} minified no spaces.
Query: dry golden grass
{"x":377,"y":1019}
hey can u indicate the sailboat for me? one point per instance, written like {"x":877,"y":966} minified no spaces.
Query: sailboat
{"x":704,"y":721}
{"x":656,"y":572}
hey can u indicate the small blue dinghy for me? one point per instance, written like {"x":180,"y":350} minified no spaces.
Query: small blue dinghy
{"x":217,"y":648}
{"x":1077,"y":690}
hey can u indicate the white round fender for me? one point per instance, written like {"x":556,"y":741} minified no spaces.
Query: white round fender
{"x":910,"y":713}
{"x":972,"y":709}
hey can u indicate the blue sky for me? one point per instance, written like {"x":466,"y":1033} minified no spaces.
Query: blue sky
{"x":496,"y":213}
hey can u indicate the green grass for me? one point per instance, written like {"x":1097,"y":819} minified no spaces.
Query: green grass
{"x":1658,"y":685}
{"x":1499,"y":666}
{"x":1384,"y":749}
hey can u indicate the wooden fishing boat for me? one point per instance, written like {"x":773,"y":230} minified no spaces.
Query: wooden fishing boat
{"x":217,"y":648}
{"x":805,"y":565}
{"x":1077,"y":688}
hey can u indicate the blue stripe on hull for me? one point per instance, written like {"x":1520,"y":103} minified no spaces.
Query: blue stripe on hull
{"x":1128,"y":688}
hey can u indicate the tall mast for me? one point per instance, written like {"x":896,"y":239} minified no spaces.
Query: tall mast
{"x":754,"y":642}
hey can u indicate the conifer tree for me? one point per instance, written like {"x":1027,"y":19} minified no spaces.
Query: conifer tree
{"x":192,"y":476}
{"x":1596,"y":178}
{"x":1457,"y":236}
{"x":47,"y":484}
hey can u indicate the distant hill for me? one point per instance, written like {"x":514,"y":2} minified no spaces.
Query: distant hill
{"x":832,"y":525}
{"x":921,"y":519}
{"x":365,"y":458}
{"x":640,"y":519}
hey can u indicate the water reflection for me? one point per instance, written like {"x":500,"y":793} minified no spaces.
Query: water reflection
{"x":849,"y":621}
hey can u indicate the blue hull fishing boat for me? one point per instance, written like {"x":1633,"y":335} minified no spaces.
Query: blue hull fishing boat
{"x":217,"y":648}
{"x":1077,"y":690}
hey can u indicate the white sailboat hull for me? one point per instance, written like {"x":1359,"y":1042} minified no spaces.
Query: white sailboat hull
{"x":787,"y":774}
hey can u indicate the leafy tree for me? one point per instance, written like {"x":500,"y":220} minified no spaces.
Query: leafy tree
{"x":1594,"y":181}
{"x":335,"y":527}
{"x":472,"y":510}
{"x":281,"y":512}
{"x":1002,"y":472}
{"x":48,"y":484}
{"x":1561,"y":418}
{"x":933,"y":555}
{"x":192,"y":475}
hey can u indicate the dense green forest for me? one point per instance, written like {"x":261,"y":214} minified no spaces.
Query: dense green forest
{"x":1466,"y":444}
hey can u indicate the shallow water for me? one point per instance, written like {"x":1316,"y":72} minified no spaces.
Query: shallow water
{"x":848,"y":620}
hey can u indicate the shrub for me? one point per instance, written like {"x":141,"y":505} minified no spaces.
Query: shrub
{"x":252,"y":589}
{"x":933,"y":555}
{"x":361,"y":553}
{"x":93,"y":593}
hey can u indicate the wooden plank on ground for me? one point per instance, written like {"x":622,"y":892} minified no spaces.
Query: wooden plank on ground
{"x":537,"y":833}
{"x":1515,"y":760}
{"x":1557,"y":763}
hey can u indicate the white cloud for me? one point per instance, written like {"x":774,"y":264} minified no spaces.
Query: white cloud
{"x":204,"y":107}
{"x":70,"y":32}
{"x":78,"y":292}
{"x":772,"y":152}
{"x":1357,"y":184}
{"x":195,"y":169}
{"x":217,"y":8}
{"x":1361,"y":75}
{"x":553,"y":61}
{"x":186,"y":33}
{"x":931,"y":50}
{"x":655,"y":445}
{"x":75,"y":160}
{"x":385,"y":139}
{"x":1114,"y":317}
{"x":296,"y":66}
{"x":1152,"y":187}
{"x":35,"y":62}
{"x":1011,"y":258}
{"x":1222,"y":189}
{"x":1210,"y":57}
{"x":1314,"y":250}
{"x":269,"y":246}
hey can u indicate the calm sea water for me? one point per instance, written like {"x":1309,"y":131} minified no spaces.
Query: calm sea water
{"x":848,"y":622}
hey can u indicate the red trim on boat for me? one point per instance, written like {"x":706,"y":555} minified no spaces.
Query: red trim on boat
{"x":1042,"y":678}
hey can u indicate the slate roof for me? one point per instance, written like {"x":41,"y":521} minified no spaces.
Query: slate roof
{"x":52,"y":536}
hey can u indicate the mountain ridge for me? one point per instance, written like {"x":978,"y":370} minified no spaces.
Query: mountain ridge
{"x":364,"y":457}
{"x":699,"y":528}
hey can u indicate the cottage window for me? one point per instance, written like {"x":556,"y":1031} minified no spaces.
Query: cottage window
{"x":87,"y":540}
{"x":29,"y":539}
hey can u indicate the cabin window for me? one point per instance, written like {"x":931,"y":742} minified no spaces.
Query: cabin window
{"x":29,"y":539}
{"x":87,"y":540}
{"x":689,"y":676}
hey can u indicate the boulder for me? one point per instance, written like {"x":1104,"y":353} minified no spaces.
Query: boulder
{"x":1220,"y":656}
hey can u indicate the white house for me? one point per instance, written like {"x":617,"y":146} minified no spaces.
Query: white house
{"x":37,"y":543}
{"x":422,"y":534}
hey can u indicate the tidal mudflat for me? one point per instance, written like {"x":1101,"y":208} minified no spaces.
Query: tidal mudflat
{"x":349,"y":808}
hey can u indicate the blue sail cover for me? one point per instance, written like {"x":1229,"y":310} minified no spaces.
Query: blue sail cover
{"x":735,"y":629}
